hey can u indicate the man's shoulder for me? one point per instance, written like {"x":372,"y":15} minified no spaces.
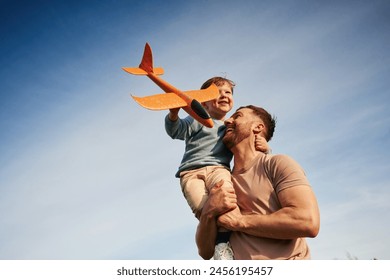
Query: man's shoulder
{"x":280,"y":161}
{"x":275,"y":158}
{"x":284,"y":172}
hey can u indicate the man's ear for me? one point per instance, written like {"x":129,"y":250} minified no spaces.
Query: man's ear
{"x":258,"y":128}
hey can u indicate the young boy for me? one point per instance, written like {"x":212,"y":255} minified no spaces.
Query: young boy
{"x":206,"y":160}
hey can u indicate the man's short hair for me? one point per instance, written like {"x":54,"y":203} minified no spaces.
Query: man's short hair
{"x":268,"y":120}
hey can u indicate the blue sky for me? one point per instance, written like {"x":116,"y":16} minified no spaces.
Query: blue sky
{"x":86,"y":173}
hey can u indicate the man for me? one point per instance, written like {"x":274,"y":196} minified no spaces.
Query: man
{"x":276,"y":209}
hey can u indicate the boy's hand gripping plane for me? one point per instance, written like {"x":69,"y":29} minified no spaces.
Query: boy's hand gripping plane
{"x":173,"y":98}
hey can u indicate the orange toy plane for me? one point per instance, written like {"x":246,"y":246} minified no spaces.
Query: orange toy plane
{"x":173,"y":98}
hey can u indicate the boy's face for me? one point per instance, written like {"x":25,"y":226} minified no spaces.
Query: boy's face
{"x":218,"y":108}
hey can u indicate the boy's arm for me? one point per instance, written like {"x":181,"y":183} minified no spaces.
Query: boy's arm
{"x":178,"y":128}
{"x":173,"y":114}
{"x":175,"y":127}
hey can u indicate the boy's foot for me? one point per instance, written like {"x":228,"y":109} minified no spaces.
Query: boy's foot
{"x":223,"y":251}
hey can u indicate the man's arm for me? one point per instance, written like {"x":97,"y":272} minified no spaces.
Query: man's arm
{"x":298,"y":217}
{"x":220,"y":201}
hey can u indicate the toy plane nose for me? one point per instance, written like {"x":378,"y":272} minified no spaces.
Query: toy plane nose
{"x":200,"y":111}
{"x":209,"y":123}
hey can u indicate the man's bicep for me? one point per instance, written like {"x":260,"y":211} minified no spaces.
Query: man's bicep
{"x":300,"y":196}
{"x":300,"y":204}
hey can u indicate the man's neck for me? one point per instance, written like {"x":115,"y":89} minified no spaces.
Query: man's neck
{"x":244,"y":153}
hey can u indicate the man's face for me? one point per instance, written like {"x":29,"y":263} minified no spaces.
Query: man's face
{"x":238,"y":127}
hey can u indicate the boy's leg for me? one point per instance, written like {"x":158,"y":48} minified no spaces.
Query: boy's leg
{"x":194,"y":189}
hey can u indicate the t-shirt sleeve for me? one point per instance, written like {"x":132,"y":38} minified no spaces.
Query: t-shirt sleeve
{"x":285,"y":173}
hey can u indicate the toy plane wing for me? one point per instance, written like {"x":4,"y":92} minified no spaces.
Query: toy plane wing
{"x":171,"y":100}
{"x":161,"y":101}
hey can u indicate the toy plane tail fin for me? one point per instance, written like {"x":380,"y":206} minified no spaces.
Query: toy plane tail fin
{"x":146,"y":65}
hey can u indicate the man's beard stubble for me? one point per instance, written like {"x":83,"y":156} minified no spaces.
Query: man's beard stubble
{"x":238,"y":134}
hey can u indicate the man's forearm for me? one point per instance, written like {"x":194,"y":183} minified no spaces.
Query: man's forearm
{"x":283,"y":224}
{"x":206,"y":235}
{"x":220,"y":201}
{"x":298,"y":217}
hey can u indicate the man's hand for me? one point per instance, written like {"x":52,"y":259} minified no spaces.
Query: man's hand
{"x":230,"y":220}
{"x":221,"y":200}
